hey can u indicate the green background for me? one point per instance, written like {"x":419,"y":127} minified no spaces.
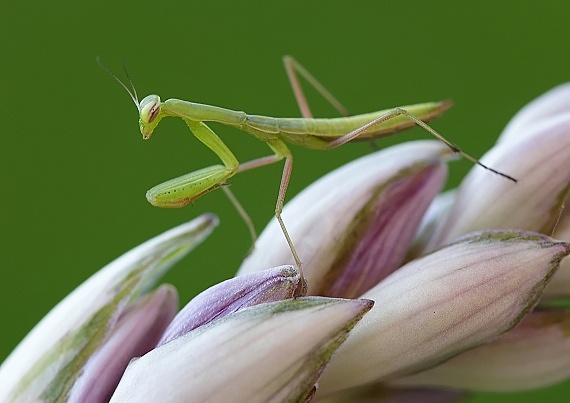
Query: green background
{"x":74,"y":169}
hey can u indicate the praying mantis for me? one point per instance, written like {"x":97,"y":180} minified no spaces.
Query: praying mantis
{"x":309,"y":132}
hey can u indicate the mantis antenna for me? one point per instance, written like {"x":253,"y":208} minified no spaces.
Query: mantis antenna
{"x":133,"y":93}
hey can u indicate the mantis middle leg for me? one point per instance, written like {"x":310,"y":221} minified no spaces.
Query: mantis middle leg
{"x":281,"y":152}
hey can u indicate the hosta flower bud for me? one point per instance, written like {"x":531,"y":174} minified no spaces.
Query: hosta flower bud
{"x":234,"y":294}
{"x":353,"y":227}
{"x":46,"y":364}
{"x":551,"y":104}
{"x":136,"y":333}
{"x":267,"y":353}
{"x":540,"y":162}
{"x":559,"y":287}
{"x":533,"y":355}
{"x":449,"y":301}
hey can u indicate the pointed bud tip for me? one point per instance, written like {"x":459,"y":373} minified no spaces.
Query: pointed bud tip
{"x":507,"y":235}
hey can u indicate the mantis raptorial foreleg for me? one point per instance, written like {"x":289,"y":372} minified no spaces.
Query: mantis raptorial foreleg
{"x":184,"y":189}
{"x":232,"y":167}
{"x":197,"y":183}
{"x":212,"y":141}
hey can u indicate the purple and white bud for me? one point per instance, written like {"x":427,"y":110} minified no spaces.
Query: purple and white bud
{"x":533,"y":355}
{"x":52,"y":356}
{"x":353,"y":227}
{"x":235,"y":294}
{"x":547,"y":106}
{"x":135,"y":334}
{"x":451,"y":300}
{"x":540,"y":161}
{"x":269,"y":352}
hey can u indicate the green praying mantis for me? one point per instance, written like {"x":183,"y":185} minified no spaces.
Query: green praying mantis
{"x":309,"y":132}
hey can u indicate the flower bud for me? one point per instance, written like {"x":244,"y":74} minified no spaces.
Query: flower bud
{"x":353,"y":227}
{"x":51,"y":357}
{"x":234,"y":294}
{"x":539,"y":160}
{"x":449,"y":301}
{"x":380,"y":392}
{"x":269,"y":352}
{"x":559,"y":286}
{"x":135,"y":334}
{"x":533,"y":355}
{"x":551,"y":104}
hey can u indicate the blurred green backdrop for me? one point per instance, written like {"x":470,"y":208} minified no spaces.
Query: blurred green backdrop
{"x":74,"y":169}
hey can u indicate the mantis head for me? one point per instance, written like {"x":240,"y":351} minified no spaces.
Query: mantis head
{"x":149,"y":107}
{"x":149,"y":115}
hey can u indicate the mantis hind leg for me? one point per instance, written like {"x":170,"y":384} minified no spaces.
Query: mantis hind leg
{"x":292,"y":67}
{"x":402,"y":112}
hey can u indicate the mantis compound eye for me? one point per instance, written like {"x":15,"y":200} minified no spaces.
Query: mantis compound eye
{"x":149,"y":108}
